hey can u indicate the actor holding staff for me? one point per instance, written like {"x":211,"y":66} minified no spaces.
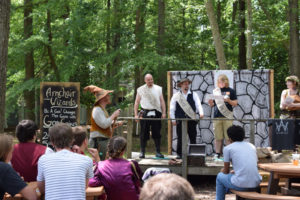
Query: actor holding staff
{"x":153,"y":106}
{"x":223,"y":109}
{"x":185,"y":104}
{"x":102,"y":125}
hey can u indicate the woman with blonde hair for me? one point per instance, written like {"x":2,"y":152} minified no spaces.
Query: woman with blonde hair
{"x":290,"y":99}
{"x":10,"y":181}
{"x":223,"y":109}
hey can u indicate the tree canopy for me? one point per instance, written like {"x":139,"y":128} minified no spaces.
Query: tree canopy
{"x":112,"y":43}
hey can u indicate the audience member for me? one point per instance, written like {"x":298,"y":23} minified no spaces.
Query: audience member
{"x":10,"y":181}
{"x":64,"y":174}
{"x":80,"y":139}
{"x":27,"y":153}
{"x":120,"y":178}
{"x":167,"y":187}
{"x":243,"y":157}
{"x":80,"y":143}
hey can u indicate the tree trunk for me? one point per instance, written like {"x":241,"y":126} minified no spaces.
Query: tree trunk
{"x":294,"y":38}
{"x":65,"y":16}
{"x":108,"y":39}
{"x":219,"y":12}
{"x":242,"y":37}
{"x":249,"y":34}
{"x":216,"y":34}
{"x":116,"y":48}
{"x":29,"y":61}
{"x":4,"y":36}
{"x":49,"y":47}
{"x":162,"y":81}
{"x":161,"y":27}
{"x":139,"y":42}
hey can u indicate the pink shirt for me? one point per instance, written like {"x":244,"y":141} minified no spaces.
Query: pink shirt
{"x":25,"y":158}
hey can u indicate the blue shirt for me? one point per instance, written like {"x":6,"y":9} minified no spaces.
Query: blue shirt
{"x":243,"y":157}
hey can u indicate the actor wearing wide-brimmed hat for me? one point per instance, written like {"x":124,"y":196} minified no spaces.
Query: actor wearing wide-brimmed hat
{"x":102,"y":124}
{"x":185,"y":104}
{"x":150,"y":97}
{"x":290,"y":99}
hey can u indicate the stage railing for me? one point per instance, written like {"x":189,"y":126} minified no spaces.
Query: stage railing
{"x":132,"y":120}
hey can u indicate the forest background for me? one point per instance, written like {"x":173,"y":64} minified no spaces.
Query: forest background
{"x":113,"y":43}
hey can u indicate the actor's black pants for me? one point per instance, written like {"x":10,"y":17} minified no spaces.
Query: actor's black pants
{"x":146,"y":126}
{"x":192,"y":132}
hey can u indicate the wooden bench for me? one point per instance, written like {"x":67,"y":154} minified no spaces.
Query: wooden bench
{"x":255,"y":195}
{"x":91,"y":194}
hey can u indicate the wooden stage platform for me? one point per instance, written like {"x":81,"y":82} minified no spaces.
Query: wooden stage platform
{"x":211,"y":167}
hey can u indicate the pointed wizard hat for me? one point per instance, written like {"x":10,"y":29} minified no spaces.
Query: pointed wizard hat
{"x":98,"y":92}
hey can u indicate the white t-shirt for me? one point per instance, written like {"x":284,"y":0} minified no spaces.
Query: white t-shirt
{"x":244,"y":162}
{"x":65,"y":174}
{"x":145,"y":102}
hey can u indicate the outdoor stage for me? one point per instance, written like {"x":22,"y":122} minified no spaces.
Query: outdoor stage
{"x":211,"y":167}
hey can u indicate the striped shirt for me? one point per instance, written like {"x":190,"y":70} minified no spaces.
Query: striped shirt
{"x":65,"y":174}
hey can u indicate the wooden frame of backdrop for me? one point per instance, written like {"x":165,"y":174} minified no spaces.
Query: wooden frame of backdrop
{"x":170,"y":93}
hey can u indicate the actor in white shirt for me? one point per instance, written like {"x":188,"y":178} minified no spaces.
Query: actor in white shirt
{"x":185,"y":104}
{"x":150,"y":97}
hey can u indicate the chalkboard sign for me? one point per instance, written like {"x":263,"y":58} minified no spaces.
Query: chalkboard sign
{"x":59,"y":104}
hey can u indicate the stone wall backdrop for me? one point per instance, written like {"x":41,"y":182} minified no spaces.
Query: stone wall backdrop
{"x":253,"y":93}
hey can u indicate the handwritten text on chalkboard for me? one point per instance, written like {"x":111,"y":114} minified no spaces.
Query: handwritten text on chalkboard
{"x":59,"y":104}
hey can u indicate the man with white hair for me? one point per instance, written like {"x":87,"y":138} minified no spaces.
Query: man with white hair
{"x":150,"y":97}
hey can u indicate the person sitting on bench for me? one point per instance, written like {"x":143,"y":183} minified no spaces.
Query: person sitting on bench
{"x":242,"y":155}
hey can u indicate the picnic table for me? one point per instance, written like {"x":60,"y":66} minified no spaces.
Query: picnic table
{"x":91,"y":193}
{"x":277,"y":171}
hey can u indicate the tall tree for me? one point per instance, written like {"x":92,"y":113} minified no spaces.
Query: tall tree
{"x":249,"y":34}
{"x":108,"y":35}
{"x":216,"y":34}
{"x":160,"y":45}
{"x":116,"y":47}
{"x":242,"y":37}
{"x":294,"y":53}
{"x":49,"y":46}
{"x":161,"y":28}
{"x":139,"y":41}
{"x":29,"y":95}
{"x":4,"y":35}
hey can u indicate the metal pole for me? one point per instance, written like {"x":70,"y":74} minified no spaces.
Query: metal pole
{"x":184,"y":149}
{"x":252,"y":133}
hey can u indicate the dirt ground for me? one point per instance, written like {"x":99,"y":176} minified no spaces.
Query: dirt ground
{"x":205,"y":187}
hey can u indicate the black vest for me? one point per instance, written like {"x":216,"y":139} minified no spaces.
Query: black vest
{"x":179,"y":113}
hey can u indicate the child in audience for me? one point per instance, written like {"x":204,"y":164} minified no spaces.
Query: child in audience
{"x":27,"y":153}
{"x":63,"y":174}
{"x":166,"y":186}
{"x":120,"y":178}
{"x":10,"y":181}
{"x":242,"y":155}
{"x":80,"y":143}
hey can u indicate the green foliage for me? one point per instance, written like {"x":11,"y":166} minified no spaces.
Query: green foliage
{"x":79,"y":38}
